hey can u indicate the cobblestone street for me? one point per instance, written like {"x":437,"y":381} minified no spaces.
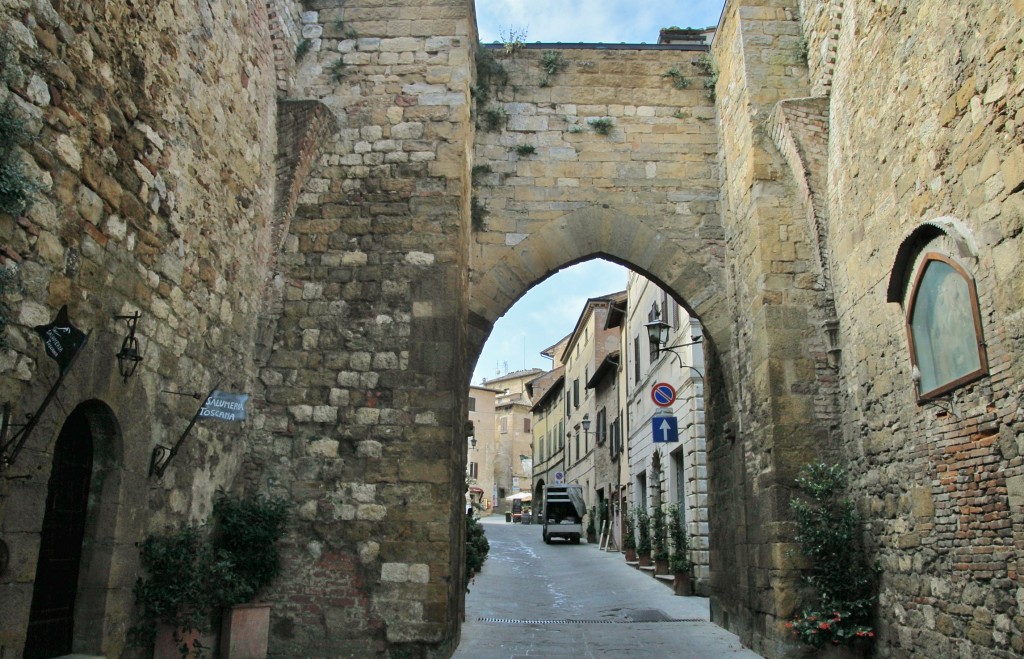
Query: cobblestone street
{"x":564,"y":600}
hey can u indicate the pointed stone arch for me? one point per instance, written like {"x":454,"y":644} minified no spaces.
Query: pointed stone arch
{"x":692,"y":272}
{"x":115,"y":414}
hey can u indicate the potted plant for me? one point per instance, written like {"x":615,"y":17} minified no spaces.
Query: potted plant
{"x":591,"y":533}
{"x":175,"y":594}
{"x":679,"y":563}
{"x":643,"y":532}
{"x":477,"y":547}
{"x":659,"y":541}
{"x":246,"y":561}
{"x":629,"y":538}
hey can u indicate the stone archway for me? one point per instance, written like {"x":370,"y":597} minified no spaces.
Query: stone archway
{"x":73,"y":591}
{"x":390,"y":283}
{"x":695,"y":278}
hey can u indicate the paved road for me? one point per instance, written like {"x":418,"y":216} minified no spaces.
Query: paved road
{"x":573,"y":601}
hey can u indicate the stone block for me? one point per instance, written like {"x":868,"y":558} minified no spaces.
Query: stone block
{"x":923,"y":506}
{"x":1013,"y":169}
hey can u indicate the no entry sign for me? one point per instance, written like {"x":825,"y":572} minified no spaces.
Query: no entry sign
{"x":663,"y":394}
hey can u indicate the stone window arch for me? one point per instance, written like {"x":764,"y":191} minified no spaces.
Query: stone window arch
{"x":940,"y":308}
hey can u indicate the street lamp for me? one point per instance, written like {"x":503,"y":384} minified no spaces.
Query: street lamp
{"x":130,"y":355}
{"x":586,"y":425}
{"x":657,"y":335}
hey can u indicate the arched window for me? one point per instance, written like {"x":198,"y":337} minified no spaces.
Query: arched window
{"x":944,"y":327}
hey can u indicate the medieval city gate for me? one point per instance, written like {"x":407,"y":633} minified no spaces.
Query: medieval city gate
{"x":346,"y":268}
{"x":295,"y":197}
{"x":412,"y":224}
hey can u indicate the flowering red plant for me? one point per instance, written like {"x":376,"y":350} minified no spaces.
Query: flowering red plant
{"x":836,"y":627}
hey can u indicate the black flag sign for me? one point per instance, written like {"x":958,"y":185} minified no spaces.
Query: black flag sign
{"x":61,"y":339}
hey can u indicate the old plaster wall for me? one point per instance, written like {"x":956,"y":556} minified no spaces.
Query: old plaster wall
{"x":153,"y":139}
{"x":926,"y":124}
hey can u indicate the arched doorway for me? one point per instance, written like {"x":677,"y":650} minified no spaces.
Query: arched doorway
{"x":76,"y":607}
{"x":52,"y":616}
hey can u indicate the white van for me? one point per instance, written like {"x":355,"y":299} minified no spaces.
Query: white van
{"x":563,"y":512}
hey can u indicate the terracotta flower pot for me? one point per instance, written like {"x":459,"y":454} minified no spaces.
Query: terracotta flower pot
{"x":661,"y":566}
{"x":683,"y":583}
{"x":644,"y":558}
{"x":631,"y":554}
{"x":244,"y":632}
{"x":169,"y":641}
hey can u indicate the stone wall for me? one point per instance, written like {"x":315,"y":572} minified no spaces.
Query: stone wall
{"x":783,"y":412}
{"x":650,"y":182}
{"x":152,"y":137}
{"x":284,"y":193}
{"x":926,"y":124}
{"x":364,"y":412}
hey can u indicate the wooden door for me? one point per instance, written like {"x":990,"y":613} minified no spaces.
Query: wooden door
{"x":52,"y":617}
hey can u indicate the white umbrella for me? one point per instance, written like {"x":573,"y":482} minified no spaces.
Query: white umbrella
{"x":522,"y":496}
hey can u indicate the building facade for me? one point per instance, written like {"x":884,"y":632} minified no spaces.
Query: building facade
{"x":482,"y":447}
{"x":586,"y":349}
{"x":666,"y":470}
{"x":548,"y":415}
{"x":512,"y":467}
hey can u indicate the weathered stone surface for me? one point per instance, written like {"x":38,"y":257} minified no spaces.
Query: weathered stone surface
{"x":320,"y":255}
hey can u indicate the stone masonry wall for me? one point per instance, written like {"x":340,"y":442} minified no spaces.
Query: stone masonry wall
{"x":152,"y":130}
{"x":363,"y":422}
{"x":927,"y":116}
{"x":649,"y":183}
{"x":338,"y":278}
{"x":784,"y":394}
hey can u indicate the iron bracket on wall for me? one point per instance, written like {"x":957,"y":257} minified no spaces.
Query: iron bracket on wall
{"x":9,"y":449}
{"x":162,"y":455}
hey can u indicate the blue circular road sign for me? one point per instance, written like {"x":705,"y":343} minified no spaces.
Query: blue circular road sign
{"x":663,"y":394}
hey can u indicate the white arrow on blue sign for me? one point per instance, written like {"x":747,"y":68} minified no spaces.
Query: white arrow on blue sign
{"x":665,"y":429}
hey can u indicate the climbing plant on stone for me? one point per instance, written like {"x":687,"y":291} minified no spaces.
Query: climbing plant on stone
{"x":839,"y":612}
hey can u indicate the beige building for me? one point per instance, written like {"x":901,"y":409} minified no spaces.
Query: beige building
{"x":481,"y":448}
{"x":667,"y":468}
{"x":588,"y":345}
{"x":548,"y":391}
{"x":511,"y":469}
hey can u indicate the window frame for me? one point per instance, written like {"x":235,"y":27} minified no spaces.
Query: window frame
{"x":982,"y":370}
{"x":636,"y":359}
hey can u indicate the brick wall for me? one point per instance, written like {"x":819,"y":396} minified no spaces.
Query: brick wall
{"x":934,"y":480}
